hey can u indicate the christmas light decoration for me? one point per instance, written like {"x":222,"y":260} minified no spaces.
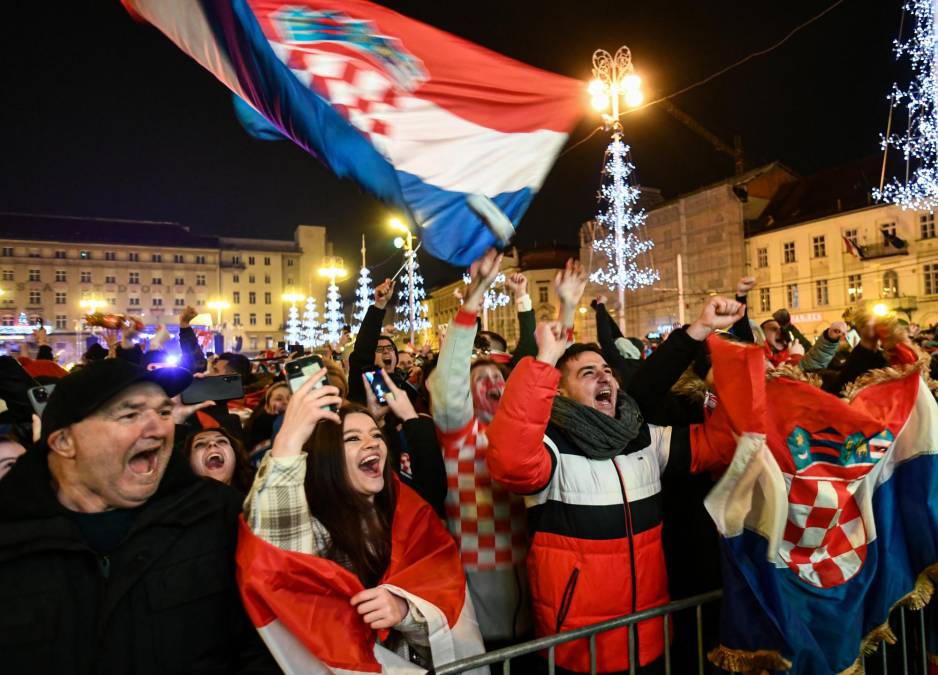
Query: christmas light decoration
{"x":363,"y":298}
{"x":495,"y":296}
{"x":621,"y":220}
{"x":334,"y":317}
{"x":312,"y":329}
{"x":919,"y":143}
{"x":421,"y":322}
{"x":294,"y":329}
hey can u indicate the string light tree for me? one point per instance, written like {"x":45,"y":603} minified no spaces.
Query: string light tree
{"x":334,"y":270}
{"x":494,"y":298}
{"x":364,"y":296}
{"x":312,"y":329}
{"x":411,"y":306}
{"x":294,"y":334}
{"x":919,"y":143}
{"x":621,"y":220}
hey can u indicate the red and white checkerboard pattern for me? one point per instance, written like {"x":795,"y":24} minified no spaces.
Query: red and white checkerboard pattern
{"x":488,"y":522}
{"x":825,"y":539}
{"x":358,"y":92}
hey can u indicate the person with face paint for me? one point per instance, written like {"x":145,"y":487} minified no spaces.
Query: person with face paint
{"x":487,"y":521}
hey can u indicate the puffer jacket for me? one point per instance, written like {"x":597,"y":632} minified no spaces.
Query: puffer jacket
{"x":596,"y":550}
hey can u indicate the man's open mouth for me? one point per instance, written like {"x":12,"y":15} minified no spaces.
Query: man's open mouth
{"x":145,"y":462}
{"x":604,"y":397}
{"x":371,"y":466}
{"x":494,"y":395}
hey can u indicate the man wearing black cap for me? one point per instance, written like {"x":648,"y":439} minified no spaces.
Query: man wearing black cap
{"x":115,"y":557}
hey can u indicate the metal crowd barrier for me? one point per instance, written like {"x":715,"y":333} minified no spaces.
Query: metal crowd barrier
{"x":900,"y":657}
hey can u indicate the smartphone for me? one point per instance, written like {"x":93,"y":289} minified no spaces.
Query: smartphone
{"x":300,"y":370}
{"x":39,"y":396}
{"x":217,"y":388}
{"x":376,"y":380}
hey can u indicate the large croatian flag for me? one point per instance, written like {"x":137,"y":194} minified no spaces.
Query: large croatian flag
{"x":828,"y":511}
{"x":299,"y":603}
{"x":418,"y":117}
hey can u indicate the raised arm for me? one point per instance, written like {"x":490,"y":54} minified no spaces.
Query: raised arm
{"x":823,"y":350}
{"x":450,"y":395}
{"x":363,"y":355}
{"x":742,"y":329}
{"x":517,"y":457}
{"x":569,"y":285}
{"x":527,"y":322}
{"x":191,"y":354}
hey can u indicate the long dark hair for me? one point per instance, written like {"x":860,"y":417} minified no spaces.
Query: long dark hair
{"x":243,"y":475}
{"x":360,"y":529}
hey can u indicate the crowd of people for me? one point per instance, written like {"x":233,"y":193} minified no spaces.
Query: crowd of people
{"x":560,"y":482}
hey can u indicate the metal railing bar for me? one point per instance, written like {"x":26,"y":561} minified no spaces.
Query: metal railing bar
{"x":921,"y":625}
{"x":700,"y":649}
{"x":667,"y":646}
{"x":882,"y":650}
{"x":550,"y":660}
{"x":593,"y":654}
{"x":506,"y":667}
{"x":905,"y":657}
{"x":633,"y":657}
{"x":548,"y":641}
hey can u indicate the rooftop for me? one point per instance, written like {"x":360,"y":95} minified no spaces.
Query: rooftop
{"x":843,"y":188}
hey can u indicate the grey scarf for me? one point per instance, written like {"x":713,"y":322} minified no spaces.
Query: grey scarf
{"x":598,"y":435}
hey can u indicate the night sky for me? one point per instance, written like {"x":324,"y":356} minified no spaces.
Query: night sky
{"x":102,"y":116}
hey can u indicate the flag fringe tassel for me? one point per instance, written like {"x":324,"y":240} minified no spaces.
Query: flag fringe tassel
{"x":916,"y":599}
{"x":744,"y":661}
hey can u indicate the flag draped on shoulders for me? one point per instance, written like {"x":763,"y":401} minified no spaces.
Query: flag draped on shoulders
{"x":299,"y":603}
{"x":828,"y":514}
{"x":422,"y":119}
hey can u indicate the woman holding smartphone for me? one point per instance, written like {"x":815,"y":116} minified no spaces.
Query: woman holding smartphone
{"x":366,"y":556}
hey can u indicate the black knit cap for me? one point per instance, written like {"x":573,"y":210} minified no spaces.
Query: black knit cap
{"x":81,"y":393}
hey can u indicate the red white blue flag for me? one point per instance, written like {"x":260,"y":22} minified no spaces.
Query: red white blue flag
{"x":828,"y":511}
{"x":420,"y":118}
{"x":299,"y":603}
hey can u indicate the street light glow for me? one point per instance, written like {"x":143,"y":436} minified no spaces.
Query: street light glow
{"x":631,"y":82}
{"x":293,"y":297}
{"x":880,"y":309}
{"x":600,"y":102}
{"x":397,"y":224}
{"x":332,"y":272}
{"x":398,"y":242}
{"x":634,"y":98}
{"x":596,"y":87}
{"x":92,"y":304}
{"x":217,"y":305}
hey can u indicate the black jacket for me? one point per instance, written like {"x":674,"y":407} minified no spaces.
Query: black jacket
{"x":422,"y":467}
{"x":169,"y":602}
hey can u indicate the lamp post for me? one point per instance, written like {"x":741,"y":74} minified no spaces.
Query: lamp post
{"x":407,"y":243}
{"x":334,"y":270}
{"x":615,"y":84}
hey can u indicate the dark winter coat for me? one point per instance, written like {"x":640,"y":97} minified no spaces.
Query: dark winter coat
{"x":165,"y":601}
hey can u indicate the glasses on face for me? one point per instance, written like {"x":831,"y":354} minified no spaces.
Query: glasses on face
{"x":384,"y":349}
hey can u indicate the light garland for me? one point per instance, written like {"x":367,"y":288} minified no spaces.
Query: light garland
{"x":621,"y":220}
{"x":294,"y":330}
{"x":919,"y":144}
{"x":421,"y":322}
{"x":363,"y":298}
{"x":334,"y":317}
{"x":312,"y":329}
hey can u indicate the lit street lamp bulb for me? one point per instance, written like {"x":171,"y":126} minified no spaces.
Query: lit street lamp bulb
{"x":880,"y":309}
{"x":596,"y":87}
{"x":398,"y":242}
{"x":600,"y":102}
{"x":634,"y":98}
{"x":631,"y":82}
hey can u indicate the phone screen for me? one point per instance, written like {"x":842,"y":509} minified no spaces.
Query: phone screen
{"x":377,"y":385}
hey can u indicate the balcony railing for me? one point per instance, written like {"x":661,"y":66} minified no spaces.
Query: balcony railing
{"x":883,"y":250}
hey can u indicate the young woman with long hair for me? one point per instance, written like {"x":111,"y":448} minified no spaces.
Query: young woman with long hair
{"x":327,"y":489}
{"x":218,"y":454}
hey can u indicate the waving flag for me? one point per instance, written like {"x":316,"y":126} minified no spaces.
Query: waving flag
{"x":829,"y":516}
{"x":420,"y":118}
{"x":299,"y":603}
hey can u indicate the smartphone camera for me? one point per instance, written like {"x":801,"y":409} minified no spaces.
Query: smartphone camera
{"x":41,"y":395}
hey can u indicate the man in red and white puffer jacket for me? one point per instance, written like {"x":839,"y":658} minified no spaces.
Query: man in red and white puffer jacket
{"x":590,"y":469}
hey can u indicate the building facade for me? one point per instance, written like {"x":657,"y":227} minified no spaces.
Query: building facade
{"x":51,"y":267}
{"x":810,"y":269}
